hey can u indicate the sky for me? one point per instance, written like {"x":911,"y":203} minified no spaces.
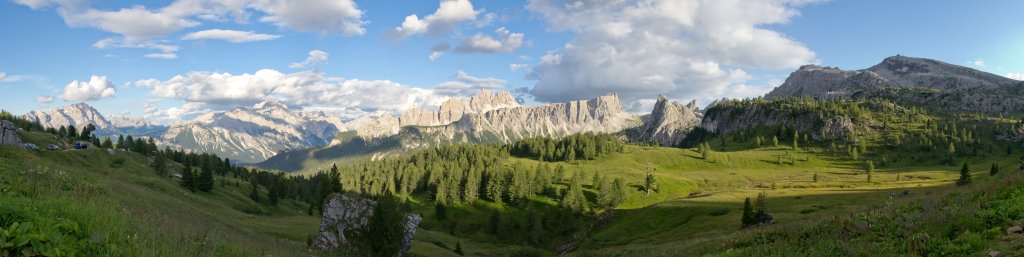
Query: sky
{"x":170,"y":60}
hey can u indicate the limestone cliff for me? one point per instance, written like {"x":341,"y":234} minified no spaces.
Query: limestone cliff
{"x":668,"y":124}
{"x":345,"y":215}
{"x":909,"y":79}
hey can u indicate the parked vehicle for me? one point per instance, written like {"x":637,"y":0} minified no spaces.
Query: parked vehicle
{"x":81,"y":145}
{"x":31,"y":146}
{"x":52,"y":147}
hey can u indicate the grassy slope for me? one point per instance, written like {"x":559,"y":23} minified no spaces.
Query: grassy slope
{"x":139,"y":213}
{"x":144,"y":214}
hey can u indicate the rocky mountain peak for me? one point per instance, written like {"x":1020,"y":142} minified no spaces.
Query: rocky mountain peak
{"x":77,"y":114}
{"x":269,"y":104}
{"x":669,"y":122}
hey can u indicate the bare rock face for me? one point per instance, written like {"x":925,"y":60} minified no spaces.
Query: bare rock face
{"x":77,"y":115}
{"x":497,"y":118}
{"x":344,"y":214}
{"x":252,"y":134}
{"x":909,"y":79}
{"x":724,"y":120}
{"x":9,"y":133}
{"x":669,"y":123}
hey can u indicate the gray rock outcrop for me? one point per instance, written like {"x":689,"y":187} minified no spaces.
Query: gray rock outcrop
{"x":909,"y":79}
{"x":724,"y":119}
{"x":668,"y":124}
{"x":9,"y":133}
{"x":342,"y":215}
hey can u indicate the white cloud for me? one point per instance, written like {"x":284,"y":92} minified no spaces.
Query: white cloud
{"x":166,"y":51}
{"x":683,"y":48}
{"x":480,"y":43}
{"x":98,"y":87}
{"x":233,"y":36}
{"x":136,"y":23}
{"x":467,"y":85}
{"x":323,"y":16}
{"x":44,"y":99}
{"x":165,"y":56}
{"x":518,"y":66}
{"x":1016,"y":76}
{"x":979,"y":62}
{"x":306,"y":88}
{"x":3,"y":76}
{"x":437,"y":50}
{"x":448,"y":15}
{"x":315,"y":57}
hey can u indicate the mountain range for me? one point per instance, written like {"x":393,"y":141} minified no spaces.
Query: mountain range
{"x":271,"y":135}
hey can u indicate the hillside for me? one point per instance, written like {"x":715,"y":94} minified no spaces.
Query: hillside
{"x":909,"y":79}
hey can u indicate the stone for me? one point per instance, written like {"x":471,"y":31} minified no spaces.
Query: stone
{"x":498,"y":118}
{"x":9,"y":133}
{"x":668,"y":124}
{"x":343,"y":214}
{"x":993,"y":253}
{"x":952,"y":86}
{"x":1015,"y":230}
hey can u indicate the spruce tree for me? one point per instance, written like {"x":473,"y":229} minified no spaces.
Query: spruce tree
{"x":440,"y":211}
{"x":160,"y":165}
{"x":649,"y":181}
{"x":205,"y":180}
{"x":748,"y":213}
{"x":187,"y":179}
{"x":994,"y":170}
{"x":106,"y":143}
{"x":573,"y":199}
{"x":965,"y":176}
{"x":796,"y":136}
{"x":385,"y":230}
{"x":254,"y":193}
{"x":775,"y":141}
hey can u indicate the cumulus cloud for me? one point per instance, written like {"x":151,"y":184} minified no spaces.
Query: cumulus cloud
{"x":323,"y":16}
{"x":165,"y":56}
{"x":1017,"y":76}
{"x":467,"y":85}
{"x":979,"y":62}
{"x":141,"y":27}
{"x":683,"y":48}
{"x":480,"y":43}
{"x":44,"y":99}
{"x":306,"y":88}
{"x":437,"y":50}
{"x":3,"y":76}
{"x":518,"y":66}
{"x":233,"y":36}
{"x":98,"y":87}
{"x":315,"y":57}
{"x":448,"y":15}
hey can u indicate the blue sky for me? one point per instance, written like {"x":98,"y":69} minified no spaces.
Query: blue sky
{"x":561,"y":50}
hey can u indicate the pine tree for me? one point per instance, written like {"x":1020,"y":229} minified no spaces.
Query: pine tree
{"x":649,"y":181}
{"x":205,"y":180}
{"x":159,"y":164}
{"x":187,"y":179}
{"x":573,"y":199}
{"x":775,"y":141}
{"x":994,"y":170}
{"x":440,"y":211}
{"x":965,"y":176}
{"x":274,"y":194}
{"x":106,"y":143}
{"x":120,"y":142}
{"x":72,"y":132}
{"x":748,"y":213}
{"x":254,"y":193}
{"x":385,"y":230}
{"x":763,"y":215}
{"x":458,"y":248}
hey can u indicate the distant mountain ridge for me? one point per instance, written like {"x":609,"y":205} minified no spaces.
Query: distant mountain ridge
{"x":252,"y":134}
{"x":909,"y":79}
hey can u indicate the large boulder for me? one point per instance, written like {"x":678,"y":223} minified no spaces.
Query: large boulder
{"x":343,"y":215}
{"x":9,"y":133}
